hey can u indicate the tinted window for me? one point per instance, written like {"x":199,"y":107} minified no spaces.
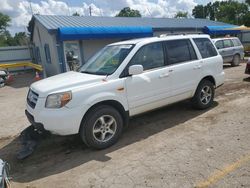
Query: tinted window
{"x":47,"y":53}
{"x":179,"y":51}
{"x":228,"y":43}
{"x":219,"y":44}
{"x":149,"y":56}
{"x":237,"y":42}
{"x":37,"y":55}
{"x":205,"y":47}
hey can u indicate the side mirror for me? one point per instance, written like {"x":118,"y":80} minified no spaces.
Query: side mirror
{"x":135,"y":69}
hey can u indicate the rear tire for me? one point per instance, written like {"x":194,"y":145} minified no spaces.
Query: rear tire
{"x":236,"y":60}
{"x":204,"y":95}
{"x":101,"y":127}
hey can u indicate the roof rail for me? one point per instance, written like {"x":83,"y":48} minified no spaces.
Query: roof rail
{"x":176,"y":34}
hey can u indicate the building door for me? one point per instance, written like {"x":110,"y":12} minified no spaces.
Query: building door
{"x":72,"y":55}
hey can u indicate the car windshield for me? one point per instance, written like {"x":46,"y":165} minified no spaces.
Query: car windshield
{"x":107,"y":60}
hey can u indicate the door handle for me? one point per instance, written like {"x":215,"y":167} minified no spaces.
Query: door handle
{"x":164,"y":75}
{"x":197,"y":67}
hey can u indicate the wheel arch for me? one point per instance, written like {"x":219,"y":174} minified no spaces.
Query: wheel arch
{"x":209,"y":78}
{"x":113,"y":103}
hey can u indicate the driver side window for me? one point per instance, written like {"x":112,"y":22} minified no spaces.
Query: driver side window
{"x":149,"y":56}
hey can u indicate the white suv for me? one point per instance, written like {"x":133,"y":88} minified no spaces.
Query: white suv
{"x":122,"y":80}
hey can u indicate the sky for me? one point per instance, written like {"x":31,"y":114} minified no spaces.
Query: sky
{"x":20,"y":11}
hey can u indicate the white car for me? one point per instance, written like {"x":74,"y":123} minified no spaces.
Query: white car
{"x":122,"y":80}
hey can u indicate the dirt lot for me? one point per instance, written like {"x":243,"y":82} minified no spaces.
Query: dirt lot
{"x":172,"y":147}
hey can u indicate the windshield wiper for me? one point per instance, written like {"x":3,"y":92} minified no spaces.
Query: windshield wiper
{"x":87,"y":72}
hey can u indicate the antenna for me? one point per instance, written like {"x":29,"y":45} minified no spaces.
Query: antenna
{"x":31,"y":7}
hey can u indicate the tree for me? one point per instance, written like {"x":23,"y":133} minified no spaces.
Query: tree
{"x":76,"y":14}
{"x":181,"y":14}
{"x":21,"y":38}
{"x":127,"y":12}
{"x":4,"y":22}
{"x":198,"y":11}
{"x":248,"y":2}
{"x":230,"y":11}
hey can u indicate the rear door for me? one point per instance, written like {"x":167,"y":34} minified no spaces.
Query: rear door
{"x":211,"y":62}
{"x":184,"y":67}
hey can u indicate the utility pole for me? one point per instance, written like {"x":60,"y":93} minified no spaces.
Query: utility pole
{"x":90,"y":10}
{"x":31,"y":7}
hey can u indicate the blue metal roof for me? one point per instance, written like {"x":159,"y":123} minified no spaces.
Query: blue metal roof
{"x":73,"y":33}
{"x":220,"y":30}
{"x":53,"y":22}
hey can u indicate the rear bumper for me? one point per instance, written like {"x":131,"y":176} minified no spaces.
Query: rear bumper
{"x":220,"y":79}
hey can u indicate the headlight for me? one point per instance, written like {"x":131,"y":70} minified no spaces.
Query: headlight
{"x":58,"y":100}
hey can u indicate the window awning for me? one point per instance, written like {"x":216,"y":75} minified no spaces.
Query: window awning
{"x":220,"y":30}
{"x":80,"y":33}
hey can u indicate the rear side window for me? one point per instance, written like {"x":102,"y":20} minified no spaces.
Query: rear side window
{"x":179,"y":51}
{"x":236,"y":42}
{"x":219,"y":44}
{"x":228,"y":43}
{"x":149,"y":56}
{"x":205,"y":47}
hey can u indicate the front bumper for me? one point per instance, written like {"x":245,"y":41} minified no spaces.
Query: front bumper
{"x":37,"y":126}
{"x":61,"y":121}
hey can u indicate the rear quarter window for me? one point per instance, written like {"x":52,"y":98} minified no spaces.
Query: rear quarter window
{"x":205,"y":47}
{"x":236,"y":42}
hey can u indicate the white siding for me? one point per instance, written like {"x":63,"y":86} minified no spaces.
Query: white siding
{"x":90,"y":47}
{"x":46,"y":38}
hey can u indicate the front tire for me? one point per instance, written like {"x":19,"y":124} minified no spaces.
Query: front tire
{"x":101,"y":127}
{"x":204,"y":95}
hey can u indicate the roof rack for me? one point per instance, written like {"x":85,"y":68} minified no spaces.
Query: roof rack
{"x":176,"y":34}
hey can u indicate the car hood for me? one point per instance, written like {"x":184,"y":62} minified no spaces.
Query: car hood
{"x":63,"y":82}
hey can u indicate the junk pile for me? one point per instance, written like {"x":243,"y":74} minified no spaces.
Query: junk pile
{"x":4,"y":175}
{"x":30,"y":138}
{"x":5,"y":78}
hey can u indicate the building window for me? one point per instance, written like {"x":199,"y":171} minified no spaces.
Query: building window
{"x":37,"y":55}
{"x":47,"y":53}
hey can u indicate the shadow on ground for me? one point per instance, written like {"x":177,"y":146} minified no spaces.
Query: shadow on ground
{"x":59,"y":154}
{"x":229,"y":66}
{"x":246,"y":79}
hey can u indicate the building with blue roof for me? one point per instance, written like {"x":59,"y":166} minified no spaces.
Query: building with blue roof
{"x":63,"y":43}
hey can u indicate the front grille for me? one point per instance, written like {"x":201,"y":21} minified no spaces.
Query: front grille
{"x":32,"y":98}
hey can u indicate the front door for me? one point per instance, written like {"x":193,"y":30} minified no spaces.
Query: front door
{"x":150,"y":89}
{"x":72,"y":55}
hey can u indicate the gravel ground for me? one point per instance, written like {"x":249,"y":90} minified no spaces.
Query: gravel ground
{"x":175,"y":146}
